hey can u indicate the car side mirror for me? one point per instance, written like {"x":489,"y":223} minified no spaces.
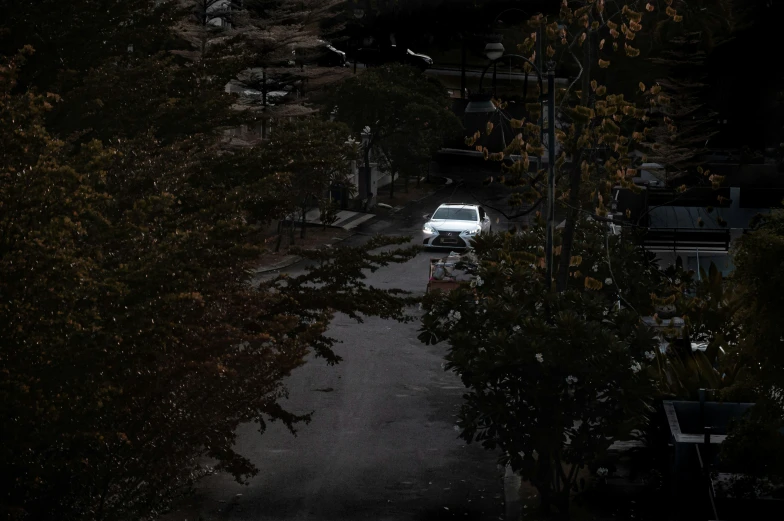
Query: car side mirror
{"x":426,"y":217}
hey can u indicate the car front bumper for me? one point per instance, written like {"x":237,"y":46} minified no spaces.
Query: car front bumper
{"x":445,"y":240}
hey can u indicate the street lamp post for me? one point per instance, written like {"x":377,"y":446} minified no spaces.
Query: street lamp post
{"x":493,"y":51}
{"x":550,"y":170}
{"x":462,"y":66}
{"x":359,"y":13}
{"x":481,"y":105}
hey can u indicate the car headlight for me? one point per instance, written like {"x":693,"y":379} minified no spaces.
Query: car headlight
{"x":429,"y":229}
{"x":472,"y":232}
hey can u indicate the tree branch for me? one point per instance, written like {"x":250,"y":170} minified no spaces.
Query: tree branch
{"x":612,"y":276}
{"x":523,"y":213}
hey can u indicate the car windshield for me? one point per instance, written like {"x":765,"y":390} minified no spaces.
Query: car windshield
{"x":456,"y":214}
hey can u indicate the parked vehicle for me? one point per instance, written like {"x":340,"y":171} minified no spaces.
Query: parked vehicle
{"x":371,"y":57}
{"x":273,"y":97}
{"x":325,"y":55}
{"x":454,"y":225}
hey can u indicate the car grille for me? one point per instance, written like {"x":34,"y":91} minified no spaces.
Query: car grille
{"x":449,"y":238}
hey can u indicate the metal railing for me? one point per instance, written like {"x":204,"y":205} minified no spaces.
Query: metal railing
{"x":670,"y":239}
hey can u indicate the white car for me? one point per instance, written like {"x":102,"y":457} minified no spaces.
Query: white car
{"x":453,"y":225}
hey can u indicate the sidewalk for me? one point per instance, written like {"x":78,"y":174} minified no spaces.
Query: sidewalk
{"x":346,"y":225}
{"x":345,"y":219}
{"x":315,"y":238}
{"x":403,"y":198}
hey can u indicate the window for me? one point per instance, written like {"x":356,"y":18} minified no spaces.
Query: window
{"x":456,"y":214}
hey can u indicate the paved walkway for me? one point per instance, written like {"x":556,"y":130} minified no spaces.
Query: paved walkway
{"x":345,"y":219}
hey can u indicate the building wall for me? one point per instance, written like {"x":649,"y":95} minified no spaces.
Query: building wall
{"x":737,"y":220}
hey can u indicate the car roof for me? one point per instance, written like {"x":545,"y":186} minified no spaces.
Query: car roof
{"x":460,"y":205}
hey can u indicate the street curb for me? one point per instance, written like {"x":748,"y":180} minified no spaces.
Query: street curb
{"x":279,"y":266}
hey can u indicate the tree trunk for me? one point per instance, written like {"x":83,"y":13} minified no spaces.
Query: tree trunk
{"x":543,"y":482}
{"x":562,"y":492}
{"x":302,"y":222}
{"x":392,"y":186}
{"x":572,"y":215}
{"x":291,"y":229}
{"x":545,"y":502}
{"x":561,"y":502}
{"x":280,"y":235}
{"x":367,"y":175}
{"x":405,"y":183}
{"x":573,"y":211}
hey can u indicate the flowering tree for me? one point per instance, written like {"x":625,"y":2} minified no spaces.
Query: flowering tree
{"x":553,"y":378}
{"x":599,"y":127}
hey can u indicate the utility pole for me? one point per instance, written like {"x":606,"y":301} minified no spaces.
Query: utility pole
{"x":462,"y":66}
{"x":540,"y":66}
{"x":550,"y":172}
{"x":264,"y":86}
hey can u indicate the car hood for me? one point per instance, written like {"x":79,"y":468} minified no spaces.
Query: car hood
{"x":450,"y":225}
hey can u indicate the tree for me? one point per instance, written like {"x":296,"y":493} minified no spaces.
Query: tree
{"x":597,"y":131}
{"x":133,"y":342}
{"x":160,"y":62}
{"x":754,"y":451}
{"x":758,"y":277}
{"x":100,"y":31}
{"x":553,"y":378}
{"x":408,"y":153}
{"x":316,"y":155}
{"x":388,"y":104}
{"x":735,"y":318}
{"x":279,"y":34}
{"x":683,"y":49}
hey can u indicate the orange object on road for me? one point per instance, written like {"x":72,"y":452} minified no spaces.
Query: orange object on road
{"x":441,"y":276}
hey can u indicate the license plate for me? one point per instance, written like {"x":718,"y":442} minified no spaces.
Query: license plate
{"x":449,"y":241}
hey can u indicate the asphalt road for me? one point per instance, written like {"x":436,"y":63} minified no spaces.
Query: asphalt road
{"x":383,"y":443}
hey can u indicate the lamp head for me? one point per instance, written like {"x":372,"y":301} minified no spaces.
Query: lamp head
{"x":494,"y":50}
{"x":480,"y":103}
